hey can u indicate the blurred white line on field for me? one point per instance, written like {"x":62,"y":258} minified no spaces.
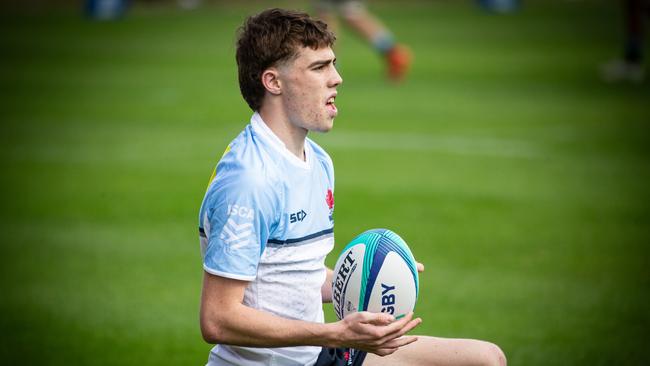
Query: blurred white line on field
{"x":460,"y":145}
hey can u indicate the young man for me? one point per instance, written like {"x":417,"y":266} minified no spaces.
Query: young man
{"x":266,"y":221}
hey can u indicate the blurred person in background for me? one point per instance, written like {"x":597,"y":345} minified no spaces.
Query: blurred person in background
{"x":397,"y":57}
{"x":106,"y":9}
{"x":499,"y":6}
{"x":630,"y":67}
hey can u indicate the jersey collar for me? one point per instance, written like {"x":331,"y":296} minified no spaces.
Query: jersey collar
{"x":262,"y":129}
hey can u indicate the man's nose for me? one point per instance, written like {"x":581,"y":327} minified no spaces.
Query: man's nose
{"x":336,"y":78}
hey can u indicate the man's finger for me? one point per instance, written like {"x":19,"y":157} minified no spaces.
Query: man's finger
{"x":378,"y":318}
{"x":411,"y":325}
{"x":399,"y":342}
{"x":396,"y":326}
{"x":405,"y":328}
{"x":384,"y":351}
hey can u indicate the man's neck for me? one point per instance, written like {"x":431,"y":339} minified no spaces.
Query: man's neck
{"x":293,"y":137}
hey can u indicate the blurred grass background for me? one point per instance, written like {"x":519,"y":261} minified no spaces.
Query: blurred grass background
{"x":515,"y":174}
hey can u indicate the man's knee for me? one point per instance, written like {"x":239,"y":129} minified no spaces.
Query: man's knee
{"x":494,"y":355}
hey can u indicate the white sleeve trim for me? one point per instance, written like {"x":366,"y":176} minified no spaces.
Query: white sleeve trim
{"x":228,"y":275}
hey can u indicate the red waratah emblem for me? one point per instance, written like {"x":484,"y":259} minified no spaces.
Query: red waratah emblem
{"x":330,"y":199}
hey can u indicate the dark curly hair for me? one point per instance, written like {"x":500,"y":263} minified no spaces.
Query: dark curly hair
{"x":272,"y":37}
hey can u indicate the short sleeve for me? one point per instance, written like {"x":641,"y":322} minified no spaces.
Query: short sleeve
{"x":238,"y":218}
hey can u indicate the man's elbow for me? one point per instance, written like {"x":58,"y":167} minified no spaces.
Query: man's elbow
{"x":212,"y":333}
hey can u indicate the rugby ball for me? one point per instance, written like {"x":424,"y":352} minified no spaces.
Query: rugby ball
{"x":376,"y":272}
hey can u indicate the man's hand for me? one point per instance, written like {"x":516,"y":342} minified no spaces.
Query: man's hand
{"x":419,"y":266}
{"x":377,"y":333}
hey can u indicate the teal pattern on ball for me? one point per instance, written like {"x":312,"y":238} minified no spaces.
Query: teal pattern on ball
{"x":369,"y":239}
{"x":379,"y":242}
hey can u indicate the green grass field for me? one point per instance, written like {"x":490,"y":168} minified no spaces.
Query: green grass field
{"x":517,"y":177}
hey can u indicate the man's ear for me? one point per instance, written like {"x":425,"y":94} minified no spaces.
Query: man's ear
{"x":271,"y":81}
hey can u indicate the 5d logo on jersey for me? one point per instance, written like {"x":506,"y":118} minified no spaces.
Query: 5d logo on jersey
{"x":241,"y":211}
{"x":298,"y":216}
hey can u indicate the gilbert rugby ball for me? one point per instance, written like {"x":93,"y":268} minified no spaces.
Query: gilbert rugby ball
{"x":376,"y":272}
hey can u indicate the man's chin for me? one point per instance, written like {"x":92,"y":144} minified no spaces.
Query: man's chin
{"x":326,"y":127}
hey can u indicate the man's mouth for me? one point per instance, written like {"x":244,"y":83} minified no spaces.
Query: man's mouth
{"x":331,"y":107}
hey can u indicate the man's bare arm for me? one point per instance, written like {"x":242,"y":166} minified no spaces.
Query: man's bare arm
{"x":225,"y":320}
{"x":326,"y":290}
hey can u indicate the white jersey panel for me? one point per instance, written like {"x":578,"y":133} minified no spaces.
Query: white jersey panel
{"x":267,"y":218}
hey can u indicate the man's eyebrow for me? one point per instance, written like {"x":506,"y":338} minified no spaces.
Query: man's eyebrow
{"x":322,"y":62}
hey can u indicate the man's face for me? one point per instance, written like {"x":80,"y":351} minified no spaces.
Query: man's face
{"x":309,"y":87}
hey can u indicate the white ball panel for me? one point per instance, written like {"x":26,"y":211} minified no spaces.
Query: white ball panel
{"x":394,"y":290}
{"x":347,"y":280}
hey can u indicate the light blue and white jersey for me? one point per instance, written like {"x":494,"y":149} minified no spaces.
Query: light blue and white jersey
{"x":267,"y":218}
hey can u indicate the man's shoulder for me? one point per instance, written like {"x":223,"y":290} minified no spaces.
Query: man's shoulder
{"x":319,"y":152}
{"x":247,"y":153}
{"x":245,"y":166}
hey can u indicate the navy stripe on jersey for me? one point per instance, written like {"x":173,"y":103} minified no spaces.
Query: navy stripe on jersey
{"x":303,"y":240}
{"x":202,"y":232}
